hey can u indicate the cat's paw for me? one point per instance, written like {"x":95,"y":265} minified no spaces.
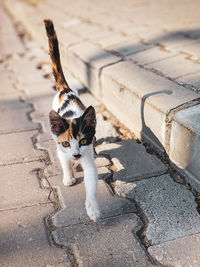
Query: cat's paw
{"x":69,"y":182}
{"x":92,"y":210}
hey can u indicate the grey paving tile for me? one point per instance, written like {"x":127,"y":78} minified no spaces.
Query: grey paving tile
{"x":169,"y":207}
{"x":131,"y":160}
{"x":109,"y":243}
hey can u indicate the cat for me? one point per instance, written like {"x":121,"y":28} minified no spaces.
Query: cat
{"x":73,"y":129}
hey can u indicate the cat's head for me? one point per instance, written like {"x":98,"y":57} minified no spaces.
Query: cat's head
{"x":73,"y":136}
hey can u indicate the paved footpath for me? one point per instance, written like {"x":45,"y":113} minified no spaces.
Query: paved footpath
{"x":149,"y":213}
{"x":139,"y":58}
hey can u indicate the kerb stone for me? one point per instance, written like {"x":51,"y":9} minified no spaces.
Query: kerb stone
{"x":86,"y":60}
{"x":185,"y":144}
{"x":142,"y":95}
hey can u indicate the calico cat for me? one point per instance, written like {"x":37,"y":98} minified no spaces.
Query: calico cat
{"x":73,"y":129}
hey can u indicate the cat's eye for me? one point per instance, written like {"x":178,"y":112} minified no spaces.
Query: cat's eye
{"x":83,"y":141}
{"x":65,"y":144}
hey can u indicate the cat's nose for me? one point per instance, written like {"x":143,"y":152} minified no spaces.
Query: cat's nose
{"x":76,"y":156}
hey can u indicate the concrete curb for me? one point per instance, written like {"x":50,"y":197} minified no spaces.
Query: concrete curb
{"x":156,"y":108}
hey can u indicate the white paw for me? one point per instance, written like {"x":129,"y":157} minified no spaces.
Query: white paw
{"x":93,"y":211}
{"x":69,"y":182}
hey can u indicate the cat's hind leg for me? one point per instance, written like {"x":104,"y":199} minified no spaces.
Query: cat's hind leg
{"x":68,"y":178}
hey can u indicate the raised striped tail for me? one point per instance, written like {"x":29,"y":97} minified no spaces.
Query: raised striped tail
{"x":55,"y":56}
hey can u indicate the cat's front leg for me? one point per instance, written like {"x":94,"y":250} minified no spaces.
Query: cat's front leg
{"x":91,"y":181}
{"x":68,"y":178}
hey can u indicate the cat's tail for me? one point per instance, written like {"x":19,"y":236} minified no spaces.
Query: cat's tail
{"x":55,"y":56}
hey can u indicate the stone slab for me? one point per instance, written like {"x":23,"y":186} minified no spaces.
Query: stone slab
{"x":20,"y":186}
{"x":111,"y":242}
{"x":131,"y":160}
{"x":192,"y":50}
{"x":128,"y":47}
{"x":93,"y":55}
{"x":22,"y":144}
{"x":6,"y":86}
{"x":85,"y":60}
{"x":73,"y":203}
{"x":10,"y":43}
{"x":111,"y":40}
{"x":175,"y":67}
{"x":180,"y":252}
{"x":142,"y":95}
{"x":24,"y":239}
{"x":88,"y":31}
{"x":192,"y":79}
{"x":185,"y":145}
{"x":169,"y":207}
{"x":151,"y":55}
{"x":15,"y":114}
{"x":26,"y":72}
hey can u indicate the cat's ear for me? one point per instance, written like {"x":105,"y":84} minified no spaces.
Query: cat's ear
{"x":89,"y":117}
{"x":58,"y":125}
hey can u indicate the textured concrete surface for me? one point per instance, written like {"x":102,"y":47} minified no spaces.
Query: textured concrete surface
{"x":126,"y":157}
{"x":73,"y":202}
{"x":20,"y":186}
{"x":110,"y":243}
{"x":169,"y":207}
{"x":24,"y":239}
{"x":171,"y":253}
{"x":184,"y":149}
{"x":22,"y":144}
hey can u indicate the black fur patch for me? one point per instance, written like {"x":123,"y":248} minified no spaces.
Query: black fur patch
{"x":76,"y":127}
{"x":66,"y":103}
{"x":68,"y":114}
{"x":65,"y":91}
{"x":58,"y":124}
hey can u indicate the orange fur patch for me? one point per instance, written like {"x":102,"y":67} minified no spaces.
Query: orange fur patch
{"x":66,"y":136}
{"x":76,"y":101}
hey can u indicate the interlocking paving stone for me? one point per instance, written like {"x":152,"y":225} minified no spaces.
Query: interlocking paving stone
{"x":15,"y":114}
{"x":169,"y":207}
{"x":180,"y":252}
{"x":24,"y":239}
{"x":176,"y":66}
{"x":20,"y":186}
{"x":111,"y":242}
{"x":23,"y":146}
{"x":131,"y":160}
{"x":192,"y":79}
{"x":10,"y":42}
{"x":151,"y":55}
{"x":128,"y":47}
{"x":73,"y":203}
